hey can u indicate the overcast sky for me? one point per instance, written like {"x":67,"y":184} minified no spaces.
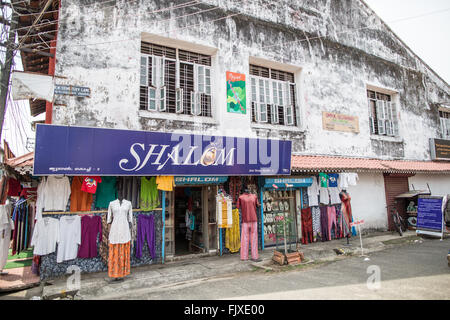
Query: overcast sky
{"x":427,"y":36}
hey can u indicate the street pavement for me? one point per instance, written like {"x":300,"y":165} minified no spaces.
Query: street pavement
{"x":416,"y":270}
{"x":408,"y":267}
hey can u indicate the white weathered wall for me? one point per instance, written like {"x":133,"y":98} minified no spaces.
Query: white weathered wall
{"x":99,"y":47}
{"x":369,"y":201}
{"x":439,"y":183}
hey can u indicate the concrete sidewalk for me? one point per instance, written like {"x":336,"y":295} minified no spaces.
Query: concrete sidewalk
{"x":209,"y":268}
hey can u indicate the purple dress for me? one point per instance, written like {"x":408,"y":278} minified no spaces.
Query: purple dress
{"x":90,"y":227}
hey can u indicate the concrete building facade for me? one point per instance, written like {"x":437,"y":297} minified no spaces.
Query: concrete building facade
{"x":301,"y":59}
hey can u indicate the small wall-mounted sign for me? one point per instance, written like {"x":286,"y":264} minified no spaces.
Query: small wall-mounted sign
{"x":72,"y":90}
{"x":340,"y":122}
{"x":440,"y":149}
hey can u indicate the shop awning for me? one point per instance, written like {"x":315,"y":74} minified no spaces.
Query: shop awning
{"x":413,"y":193}
{"x":22,"y":164}
{"x":343,"y":164}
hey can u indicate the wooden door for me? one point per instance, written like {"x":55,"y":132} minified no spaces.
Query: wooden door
{"x":394,"y":185}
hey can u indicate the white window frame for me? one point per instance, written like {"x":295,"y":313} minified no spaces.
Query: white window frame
{"x":276,"y":94}
{"x":387,"y":119}
{"x":202,"y":78}
{"x":196,"y":108}
{"x":445,"y":126}
{"x":179,"y":101}
{"x":144,"y":77}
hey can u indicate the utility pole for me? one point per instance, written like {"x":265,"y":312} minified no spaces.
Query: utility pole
{"x":7,"y":65}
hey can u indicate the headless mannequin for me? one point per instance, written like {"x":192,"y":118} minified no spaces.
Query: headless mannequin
{"x":120,"y":198}
{"x":343,"y":194}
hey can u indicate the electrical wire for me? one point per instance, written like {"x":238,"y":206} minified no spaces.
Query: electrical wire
{"x":357,"y":29}
{"x":179,"y":6}
{"x":163,"y":20}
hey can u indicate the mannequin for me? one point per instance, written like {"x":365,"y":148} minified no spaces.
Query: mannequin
{"x":6,"y":225}
{"x":346,"y":211}
{"x":120,"y":215}
{"x":248,"y":204}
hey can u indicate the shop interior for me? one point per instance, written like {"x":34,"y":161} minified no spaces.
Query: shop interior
{"x":188,"y":220}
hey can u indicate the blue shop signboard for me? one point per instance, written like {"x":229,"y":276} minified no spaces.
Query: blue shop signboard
{"x":430,"y":215}
{"x":195,"y":180}
{"x":287,"y":182}
{"x":98,"y":151}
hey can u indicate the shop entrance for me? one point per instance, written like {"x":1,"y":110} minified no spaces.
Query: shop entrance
{"x":188,"y":220}
{"x":192,"y":225}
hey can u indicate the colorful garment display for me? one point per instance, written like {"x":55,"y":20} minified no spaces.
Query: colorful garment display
{"x":333,"y":180}
{"x":91,"y":227}
{"x":346,"y":208}
{"x":56,"y":193}
{"x":106,"y":192}
{"x":149,"y":194}
{"x":133,"y":231}
{"x":224,"y":209}
{"x":45,"y":236}
{"x":249,"y":233}
{"x":69,"y":238}
{"x":323,"y":179}
{"x":248,"y":202}
{"x":165,"y":183}
{"x":146,"y":232}
{"x":22,"y":226}
{"x":235,"y":185}
{"x":104,"y":244}
{"x":14,"y":187}
{"x":119,"y":260}
{"x":79,"y":200}
{"x":90,"y":184}
{"x":130,"y":188}
{"x":332,"y":223}
{"x":315,"y":211}
{"x":324,"y":224}
{"x":232,"y":235}
{"x":307,"y":226}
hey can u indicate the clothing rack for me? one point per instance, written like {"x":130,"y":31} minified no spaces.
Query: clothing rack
{"x":89,"y":212}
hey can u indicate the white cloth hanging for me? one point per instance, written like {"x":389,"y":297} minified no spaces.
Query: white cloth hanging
{"x":313,"y":192}
{"x":40,"y":198}
{"x":56,"y":193}
{"x":6,"y":225}
{"x":347,"y":179}
{"x":334,"y":195}
{"x":45,"y":236}
{"x":69,"y":238}
{"x":120,"y":215}
{"x":324,"y":196}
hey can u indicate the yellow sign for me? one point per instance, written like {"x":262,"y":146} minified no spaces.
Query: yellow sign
{"x":340,"y":122}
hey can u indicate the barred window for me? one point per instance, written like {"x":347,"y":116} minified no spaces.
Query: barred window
{"x":175,"y":81}
{"x":273,"y":96}
{"x":383,"y":118}
{"x":444,"y":118}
